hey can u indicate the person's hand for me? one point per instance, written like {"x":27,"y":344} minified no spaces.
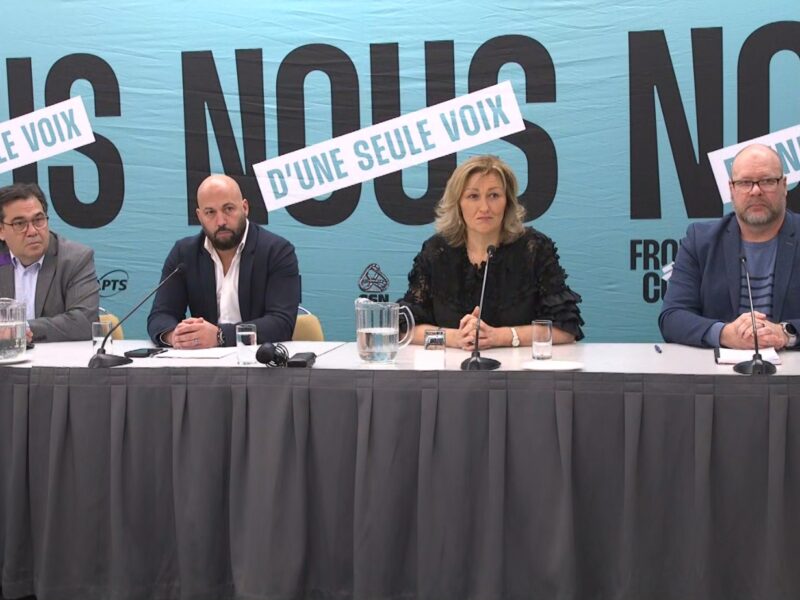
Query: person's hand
{"x":739,"y":333}
{"x":28,"y":335}
{"x":493,"y":337}
{"x":770,"y":335}
{"x":465,"y":336}
{"x":489,"y":337}
{"x":193,"y":333}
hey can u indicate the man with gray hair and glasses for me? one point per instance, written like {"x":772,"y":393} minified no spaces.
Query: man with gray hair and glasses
{"x":54,"y":277}
{"x":707,"y":303}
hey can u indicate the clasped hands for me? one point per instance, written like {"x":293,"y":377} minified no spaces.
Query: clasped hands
{"x":489,"y":337}
{"x":739,"y":333}
{"x":192,"y":333}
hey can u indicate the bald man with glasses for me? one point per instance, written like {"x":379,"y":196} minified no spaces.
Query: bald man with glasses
{"x":54,"y":277}
{"x":707,"y":303}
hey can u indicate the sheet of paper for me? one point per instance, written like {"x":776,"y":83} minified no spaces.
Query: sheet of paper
{"x":201,"y":353}
{"x":727,"y":356}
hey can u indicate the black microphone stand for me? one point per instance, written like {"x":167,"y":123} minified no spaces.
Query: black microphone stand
{"x":476,"y":362}
{"x":102,"y":360}
{"x":756,"y":365}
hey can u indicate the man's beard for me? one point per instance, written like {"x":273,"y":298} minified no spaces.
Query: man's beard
{"x":227,"y":243}
{"x":771,"y":215}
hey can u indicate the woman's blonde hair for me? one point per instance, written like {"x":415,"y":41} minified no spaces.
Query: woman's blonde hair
{"x":449,"y":220}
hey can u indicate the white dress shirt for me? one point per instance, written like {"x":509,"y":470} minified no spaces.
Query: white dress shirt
{"x":228,"y":283}
{"x":25,"y":279}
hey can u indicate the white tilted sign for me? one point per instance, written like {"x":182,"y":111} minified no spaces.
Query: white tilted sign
{"x":44,"y":133}
{"x":402,"y":142}
{"x":785,"y":142}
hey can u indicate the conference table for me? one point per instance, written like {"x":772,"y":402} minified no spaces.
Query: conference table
{"x":638,"y":475}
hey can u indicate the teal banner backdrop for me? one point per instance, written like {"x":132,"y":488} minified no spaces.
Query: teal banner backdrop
{"x":621,"y":102}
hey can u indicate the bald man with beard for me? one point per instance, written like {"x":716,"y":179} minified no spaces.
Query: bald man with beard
{"x":707,"y":303}
{"x":234,"y":272}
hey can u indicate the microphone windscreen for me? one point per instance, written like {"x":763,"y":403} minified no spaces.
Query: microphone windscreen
{"x":265,"y":353}
{"x":490,"y":251}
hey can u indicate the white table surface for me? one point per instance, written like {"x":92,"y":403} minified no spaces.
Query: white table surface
{"x":78,"y":354}
{"x":597,"y":358}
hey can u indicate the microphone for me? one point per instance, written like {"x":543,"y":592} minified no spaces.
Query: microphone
{"x":756,"y":365}
{"x":476,"y":362}
{"x":103,"y":360}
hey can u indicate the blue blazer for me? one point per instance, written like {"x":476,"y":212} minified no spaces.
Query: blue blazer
{"x":706,"y":279}
{"x":269,"y":287}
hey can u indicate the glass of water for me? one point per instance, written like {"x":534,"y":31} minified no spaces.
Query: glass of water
{"x":542,"y":336}
{"x":12,"y":329}
{"x":246,"y":343}
{"x":99,"y":331}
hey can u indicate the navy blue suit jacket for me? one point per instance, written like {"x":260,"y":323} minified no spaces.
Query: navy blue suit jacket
{"x":706,"y":280}
{"x":269,"y":287}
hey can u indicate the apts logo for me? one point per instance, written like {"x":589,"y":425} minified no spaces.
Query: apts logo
{"x":374,"y":283}
{"x":113,"y":282}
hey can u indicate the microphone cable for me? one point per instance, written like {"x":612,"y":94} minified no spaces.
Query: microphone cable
{"x":272,"y":355}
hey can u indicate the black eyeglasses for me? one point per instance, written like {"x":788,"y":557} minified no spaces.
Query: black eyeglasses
{"x":21,"y":225}
{"x":768,"y":184}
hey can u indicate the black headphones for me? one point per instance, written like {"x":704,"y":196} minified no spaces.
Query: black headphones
{"x":272,"y":355}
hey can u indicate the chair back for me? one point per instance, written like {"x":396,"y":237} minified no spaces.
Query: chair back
{"x":107,"y":317}
{"x":308,"y":329}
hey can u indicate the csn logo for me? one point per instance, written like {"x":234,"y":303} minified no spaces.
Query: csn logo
{"x":113,"y":282}
{"x":374,"y":284}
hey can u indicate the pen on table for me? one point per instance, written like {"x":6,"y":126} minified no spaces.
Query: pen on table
{"x":657,"y":347}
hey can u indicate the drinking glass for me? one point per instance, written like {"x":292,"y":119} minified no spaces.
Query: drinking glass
{"x":99,"y":331}
{"x":435,"y":339}
{"x":542,"y":336}
{"x":433,"y":355}
{"x":246,"y":344}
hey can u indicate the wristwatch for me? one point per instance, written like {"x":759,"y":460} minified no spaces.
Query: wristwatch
{"x":220,"y":337}
{"x":791,"y":332}
{"x":514,"y":338}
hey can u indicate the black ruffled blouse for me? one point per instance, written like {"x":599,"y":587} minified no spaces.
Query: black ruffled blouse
{"x":525,"y":282}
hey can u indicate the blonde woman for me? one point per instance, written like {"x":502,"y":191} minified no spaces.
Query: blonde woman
{"x":479,"y":209}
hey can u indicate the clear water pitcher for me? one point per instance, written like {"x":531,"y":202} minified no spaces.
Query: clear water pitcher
{"x":378,"y":330}
{"x":12,"y":329}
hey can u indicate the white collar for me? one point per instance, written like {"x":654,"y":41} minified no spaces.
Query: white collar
{"x":18,"y":263}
